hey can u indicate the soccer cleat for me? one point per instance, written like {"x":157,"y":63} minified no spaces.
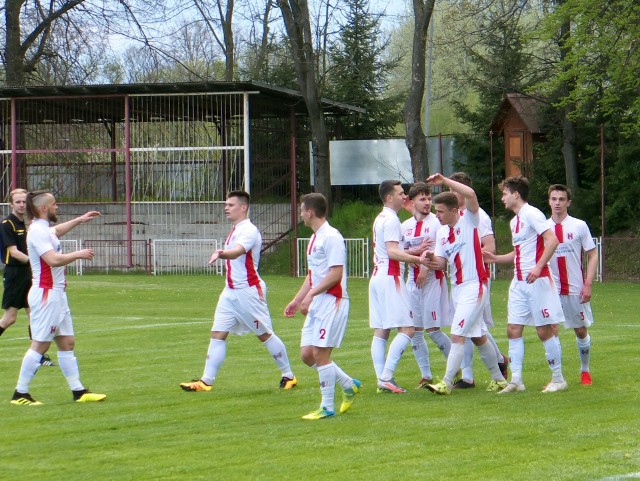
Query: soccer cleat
{"x":585,"y":378}
{"x":197,"y":385}
{"x":462,"y":384}
{"x":497,"y":386}
{"x":46,"y":361}
{"x":504,"y":365}
{"x":390,"y":386}
{"x":423,"y":382}
{"x":512,"y":387}
{"x":86,"y":396}
{"x":320,"y":413}
{"x":348,"y":395}
{"x":288,"y":383}
{"x":24,"y":399}
{"x":457,"y":378}
{"x":555,"y":386}
{"x":439,"y":388}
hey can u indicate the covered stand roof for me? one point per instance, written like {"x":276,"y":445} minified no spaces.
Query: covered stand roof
{"x":263,"y":96}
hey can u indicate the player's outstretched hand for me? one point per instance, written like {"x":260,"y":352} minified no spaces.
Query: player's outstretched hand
{"x":215,"y":256}
{"x":436,"y":179}
{"x":87,"y":216}
{"x":86,"y":254}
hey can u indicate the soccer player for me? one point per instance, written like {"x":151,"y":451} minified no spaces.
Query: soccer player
{"x":533,"y":300}
{"x":427,"y":289}
{"x":388,"y":302}
{"x":17,"y":273}
{"x":323,"y":299}
{"x":50,"y":315}
{"x":488,"y":242}
{"x":242,"y":306}
{"x":566,"y":268}
{"x":458,"y":243}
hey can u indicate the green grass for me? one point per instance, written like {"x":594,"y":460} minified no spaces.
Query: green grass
{"x":138,"y":337}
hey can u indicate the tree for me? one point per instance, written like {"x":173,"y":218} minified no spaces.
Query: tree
{"x":295,"y":14}
{"x":415,"y":137}
{"x":223,"y":17}
{"x":358,"y":74}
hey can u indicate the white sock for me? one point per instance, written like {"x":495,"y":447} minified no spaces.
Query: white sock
{"x":553,"y":352}
{"x":29,"y":368}
{"x":489,"y":358}
{"x":467,"y":361}
{"x":279,"y":352}
{"x":584,"y":349}
{"x":397,"y":347}
{"x":342,"y":378}
{"x":495,"y":346}
{"x":216,"y":355}
{"x":327,"y":375}
{"x":378,"y":354}
{"x":421,"y":353}
{"x":454,"y":361}
{"x":442,"y":341}
{"x":69,"y":367}
{"x":516,"y":353}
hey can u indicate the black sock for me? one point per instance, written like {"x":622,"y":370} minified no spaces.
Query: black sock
{"x":1,"y":330}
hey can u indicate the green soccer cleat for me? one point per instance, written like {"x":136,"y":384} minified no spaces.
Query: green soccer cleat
{"x":497,"y":386}
{"x":439,"y":388}
{"x":348,"y":395}
{"x":24,"y":399}
{"x":197,"y":385}
{"x":86,"y":396}
{"x":320,"y":413}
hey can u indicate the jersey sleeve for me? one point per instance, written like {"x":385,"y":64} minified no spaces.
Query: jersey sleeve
{"x":485,"y":228}
{"x":335,"y":250}
{"x":392,"y":230}
{"x":537,"y":220}
{"x":439,"y":249}
{"x":586,"y":238}
{"x":247,"y":238}
{"x":40,"y":240}
{"x":8,"y":234}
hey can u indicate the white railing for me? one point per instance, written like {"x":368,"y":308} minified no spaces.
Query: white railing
{"x":71,"y":245}
{"x":357,"y":257}
{"x":185,"y":256}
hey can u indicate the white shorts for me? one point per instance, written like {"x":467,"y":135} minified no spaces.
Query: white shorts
{"x":469,"y":301}
{"x":487,"y":316}
{"x":50,"y":314}
{"x":326,"y":322}
{"x":430,"y":304}
{"x":388,"y":303}
{"x":536,"y":304}
{"x":576,"y":314}
{"x":243,"y":311}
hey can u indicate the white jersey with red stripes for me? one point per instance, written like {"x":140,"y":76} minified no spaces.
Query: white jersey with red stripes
{"x":460,"y":245}
{"x":414,"y":232}
{"x":566,"y":264}
{"x":327,"y":249}
{"x":42,"y":238}
{"x":242,"y":271}
{"x":526,"y":230}
{"x":386,"y":228}
{"x":484,"y":228}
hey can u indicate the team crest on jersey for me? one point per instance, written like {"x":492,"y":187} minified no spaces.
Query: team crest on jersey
{"x":458,"y":231}
{"x":409,"y":232}
{"x":444,"y":241}
{"x":570,"y":235}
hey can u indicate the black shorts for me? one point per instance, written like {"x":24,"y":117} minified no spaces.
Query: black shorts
{"x":17,"y":282}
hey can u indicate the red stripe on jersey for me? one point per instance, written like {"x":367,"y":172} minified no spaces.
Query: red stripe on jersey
{"x":559,"y":232}
{"x":310,"y":278}
{"x":313,"y":239}
{"x":458,"y":264}
{"x":416,"y":233}
{"x":394,"y":268}
{"x":336,"y":290}
{"x":46,"y":276}
{"x":518,"y":259}
{"x":252,"y":275}
{"x":563,"y":273}
{"x":477,"y":252}
{"x":539,"y":250}
{"x":228,"y":261}
{"x":439,"y":274}
{"x":397,"y":281}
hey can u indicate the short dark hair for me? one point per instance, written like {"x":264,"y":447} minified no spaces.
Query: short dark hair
{"x":32,"y":208}
{"x":244,"y":197}
{"x":315,"y":202}
{"x":561,"y":188}
{"x":387,"y":187}
{"x":516,"y":183}
{"x":419,"y":188}
{"x":462,"y":177}
{"x":448,"y":199}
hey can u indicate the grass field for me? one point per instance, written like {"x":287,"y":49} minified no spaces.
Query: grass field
{"x":138,"y":337}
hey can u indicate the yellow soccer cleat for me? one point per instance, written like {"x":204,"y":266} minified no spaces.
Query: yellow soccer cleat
{"x":197,"y":385}
{"x":320,"y":413}
{"x":86,"y":396}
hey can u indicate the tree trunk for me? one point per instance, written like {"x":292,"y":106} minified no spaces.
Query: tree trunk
{"x":415,"y":137}
{"x":295,"y":15}
{"x":229,"y":46}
